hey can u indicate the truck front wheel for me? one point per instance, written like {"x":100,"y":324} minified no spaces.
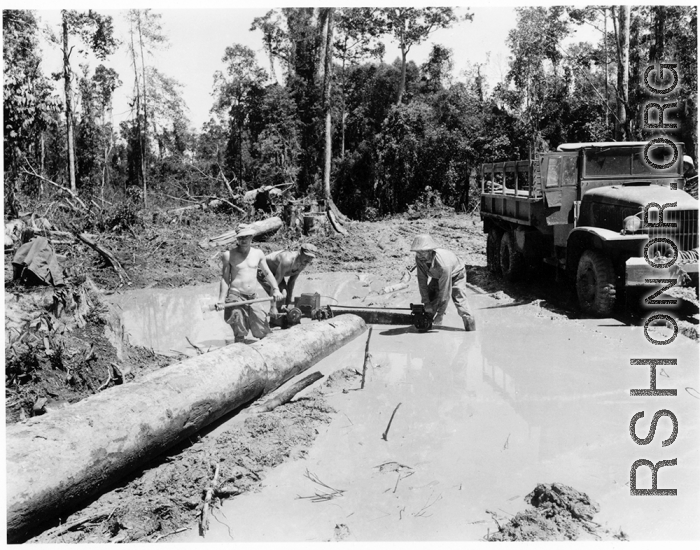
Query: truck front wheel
{"x":595,"y":284}
{"x":512,"y":260}
{"x":493,"y":250}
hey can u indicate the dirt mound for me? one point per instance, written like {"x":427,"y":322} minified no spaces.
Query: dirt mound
{"x":558,"y":512}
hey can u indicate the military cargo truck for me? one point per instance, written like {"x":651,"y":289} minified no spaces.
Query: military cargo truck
{"x":580,"y":209}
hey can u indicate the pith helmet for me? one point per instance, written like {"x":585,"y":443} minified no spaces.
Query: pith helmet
{"x":423,"y":242}
{"x":689,"y":160}
{"x":309,"y":250}
{"x":246,"y":232}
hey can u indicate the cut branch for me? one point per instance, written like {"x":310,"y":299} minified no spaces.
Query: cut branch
{"x":385,"y":435}
{"x":34,"y":173}
{"x":364,"y":366}
{"x":289,"y":393}
{"x":106,"y":254}
{"x":204,"y":520}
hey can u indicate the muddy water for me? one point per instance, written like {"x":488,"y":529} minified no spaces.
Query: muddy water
{"x":483,"y":418}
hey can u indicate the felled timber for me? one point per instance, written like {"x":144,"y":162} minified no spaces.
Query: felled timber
{"x":56,"y":461}
{"x":201,"y":206}
{"x":262,"y":227}
{"x":376,"y":316}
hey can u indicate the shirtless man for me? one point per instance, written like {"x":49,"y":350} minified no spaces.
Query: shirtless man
{"x":284,"y":263}
{"x":239,"y":267}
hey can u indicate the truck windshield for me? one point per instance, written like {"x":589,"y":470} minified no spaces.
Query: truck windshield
{"x":627,"y":162}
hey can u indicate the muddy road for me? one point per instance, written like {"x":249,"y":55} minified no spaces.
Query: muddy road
{"x":536,"y":395}
{"x":531,"y":397}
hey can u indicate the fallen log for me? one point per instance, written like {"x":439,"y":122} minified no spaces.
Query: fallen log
{"x":201,"y":206}
{"x":376,"y":316}
{"x":262,"y":227}
{"x":54,"y":462}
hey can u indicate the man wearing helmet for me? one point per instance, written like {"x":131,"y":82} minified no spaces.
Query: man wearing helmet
{"x":441,"y":275}
{"x":239,"y":268}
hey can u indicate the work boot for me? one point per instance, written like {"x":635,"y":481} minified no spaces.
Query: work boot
{"x":469,"y":323}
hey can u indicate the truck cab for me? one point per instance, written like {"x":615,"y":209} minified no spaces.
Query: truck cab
{"x":580,"y":208}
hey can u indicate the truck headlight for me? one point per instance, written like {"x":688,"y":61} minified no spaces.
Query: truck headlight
{"x":631,"y":224}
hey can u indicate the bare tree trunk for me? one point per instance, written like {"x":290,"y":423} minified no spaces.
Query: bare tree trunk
{"x":69,"y":107}
{"x":402,"y":80}
{"x":327,"y":39}
{"x":42,"y":162}
{"x":656,"y":52}
{"x":623,"y":129}
{"x":343,"y":114}
{"x":605,"y":35}
{"x":144,"y":137}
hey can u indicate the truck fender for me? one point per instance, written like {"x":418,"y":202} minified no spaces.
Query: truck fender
{"x":585,"y":238}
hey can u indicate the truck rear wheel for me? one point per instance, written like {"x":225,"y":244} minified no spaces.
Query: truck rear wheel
{"x":493,"y":251}
{"x":512,"y":260}
{"x":595,"y":284}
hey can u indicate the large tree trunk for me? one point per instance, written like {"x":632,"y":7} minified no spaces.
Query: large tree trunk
{"x":623,"y":125}
{"x":55,"y":462}
{"x":69,"y":107}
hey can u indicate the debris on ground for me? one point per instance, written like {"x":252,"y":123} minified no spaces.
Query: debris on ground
{"x":558,"y":512}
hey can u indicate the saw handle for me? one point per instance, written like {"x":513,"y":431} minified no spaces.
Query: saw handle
{"x":212,"y":307}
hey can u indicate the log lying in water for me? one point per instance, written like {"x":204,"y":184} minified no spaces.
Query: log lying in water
{"x":58,"y":460}
{"x":377,"y":315}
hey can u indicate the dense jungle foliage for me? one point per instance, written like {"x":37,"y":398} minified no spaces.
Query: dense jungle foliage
{"x":401,"y":132}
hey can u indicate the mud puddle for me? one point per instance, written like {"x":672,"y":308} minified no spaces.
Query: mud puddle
{"x":177,"y":320}
{"x":531,"y":397}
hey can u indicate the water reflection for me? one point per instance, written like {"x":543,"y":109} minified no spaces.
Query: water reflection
{"x":165,"y":319}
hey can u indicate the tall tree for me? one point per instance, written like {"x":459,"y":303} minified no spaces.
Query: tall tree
{"x":411,"y":26}
{"x":358,"y":33}
{"x":28,"y":102}
{"x":622,"y":128}
{"x":95,"y":31}
{"x":326,"y":65}
{"x":94,"y":131}
{"x":235,"y":89}
{"x":145,"y":35}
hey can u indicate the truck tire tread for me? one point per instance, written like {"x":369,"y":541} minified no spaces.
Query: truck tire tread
{"x":511,"y":259}
{"x":595,"y":284}
{"x":493,"y":251}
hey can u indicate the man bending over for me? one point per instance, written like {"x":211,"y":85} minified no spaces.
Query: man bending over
{"x":284,"y":263}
